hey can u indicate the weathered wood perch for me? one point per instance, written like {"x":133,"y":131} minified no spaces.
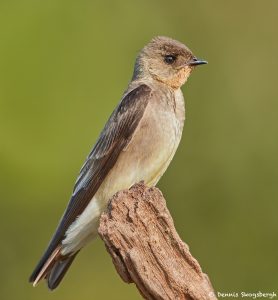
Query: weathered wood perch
{"x":139,"y":233}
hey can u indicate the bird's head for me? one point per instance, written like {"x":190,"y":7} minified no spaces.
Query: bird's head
{"x":167,"y":61}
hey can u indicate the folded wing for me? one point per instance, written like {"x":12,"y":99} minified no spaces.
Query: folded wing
{"x":115,"y":136}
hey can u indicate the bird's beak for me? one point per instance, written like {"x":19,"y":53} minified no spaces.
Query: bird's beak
{"x":196,"y":62}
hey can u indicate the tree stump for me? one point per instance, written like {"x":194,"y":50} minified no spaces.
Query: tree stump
{"x":139,"y":234}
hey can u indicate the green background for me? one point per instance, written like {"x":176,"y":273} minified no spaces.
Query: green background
{"x":63,"y":68}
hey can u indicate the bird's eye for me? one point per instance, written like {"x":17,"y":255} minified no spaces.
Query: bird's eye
{"x":169,"y":59}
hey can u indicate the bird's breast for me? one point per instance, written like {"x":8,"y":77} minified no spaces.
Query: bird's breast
{"x":151,"y":147}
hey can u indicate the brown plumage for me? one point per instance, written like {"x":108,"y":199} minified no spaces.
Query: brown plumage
{"x":113,"y":139}
{"x":137,"y":143}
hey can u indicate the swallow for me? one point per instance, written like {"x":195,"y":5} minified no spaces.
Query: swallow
{"x":137,"y":144}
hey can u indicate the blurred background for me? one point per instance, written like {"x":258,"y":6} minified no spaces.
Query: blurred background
{"x":64,"y":66}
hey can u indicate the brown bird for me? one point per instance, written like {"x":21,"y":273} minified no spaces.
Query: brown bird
{"x":137,"y":143}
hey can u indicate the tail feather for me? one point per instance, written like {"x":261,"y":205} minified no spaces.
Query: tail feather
{"x":46,"y":267}
{"x":53,"y":269}
{"x":58,"y":271}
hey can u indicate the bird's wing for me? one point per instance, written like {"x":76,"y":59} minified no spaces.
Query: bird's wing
{"x":114,"y":138}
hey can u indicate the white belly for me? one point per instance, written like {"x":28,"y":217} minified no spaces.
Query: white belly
{"x":145,"y":158}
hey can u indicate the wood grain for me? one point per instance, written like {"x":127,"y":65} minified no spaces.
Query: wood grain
{"x":139,"y":233}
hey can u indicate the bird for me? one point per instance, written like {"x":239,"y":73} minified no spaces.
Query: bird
{"x":136,"y":144}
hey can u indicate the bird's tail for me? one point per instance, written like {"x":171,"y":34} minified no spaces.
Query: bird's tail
{"x":54,"y":269}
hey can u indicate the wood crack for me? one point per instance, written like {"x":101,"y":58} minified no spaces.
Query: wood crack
{"x":139,"y":234}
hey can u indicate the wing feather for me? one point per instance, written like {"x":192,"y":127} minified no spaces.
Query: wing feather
{"x":115,"y":136}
